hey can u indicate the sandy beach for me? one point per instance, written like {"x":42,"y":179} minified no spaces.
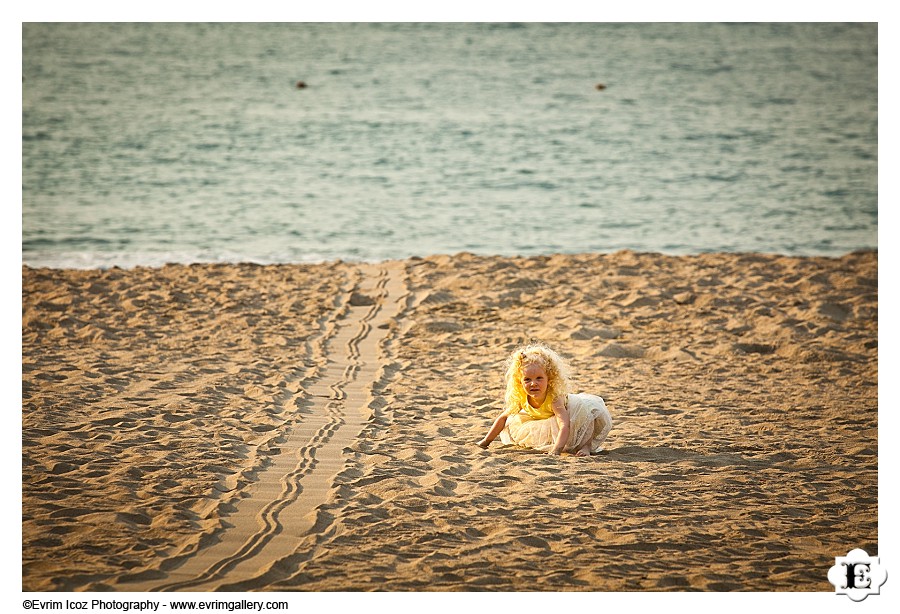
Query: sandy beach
{"x":313,"y":427}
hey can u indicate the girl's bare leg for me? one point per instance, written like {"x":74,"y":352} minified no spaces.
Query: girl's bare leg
{"x":584,"y":450}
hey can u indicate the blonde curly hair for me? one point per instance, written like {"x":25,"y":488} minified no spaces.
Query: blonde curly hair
{"x":534,"y":353}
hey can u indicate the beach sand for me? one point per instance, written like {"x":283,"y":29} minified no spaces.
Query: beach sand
{"x":313,"y":427}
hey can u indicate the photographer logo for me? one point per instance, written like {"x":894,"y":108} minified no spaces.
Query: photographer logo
{"x":857,"y":575}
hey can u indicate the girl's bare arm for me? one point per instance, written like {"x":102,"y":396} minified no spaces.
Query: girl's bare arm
{"x":562,"y":417}
{"x":498,"y":425}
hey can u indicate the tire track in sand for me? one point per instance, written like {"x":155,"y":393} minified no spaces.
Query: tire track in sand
{"x":280,"y":511}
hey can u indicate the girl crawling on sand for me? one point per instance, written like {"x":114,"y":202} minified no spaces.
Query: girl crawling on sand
{"x":541,"y":414}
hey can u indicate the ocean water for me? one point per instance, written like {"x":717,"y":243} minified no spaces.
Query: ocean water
{"x":151,"y":143}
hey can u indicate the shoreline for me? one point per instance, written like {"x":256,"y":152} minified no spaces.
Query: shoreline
{"x":463,"y":253}
{"x":156,"y":398}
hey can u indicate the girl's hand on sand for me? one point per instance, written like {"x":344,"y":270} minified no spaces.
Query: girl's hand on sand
{"x":483,"y":444}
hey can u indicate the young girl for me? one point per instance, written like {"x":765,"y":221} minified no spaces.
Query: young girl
{"x":541,"y":414}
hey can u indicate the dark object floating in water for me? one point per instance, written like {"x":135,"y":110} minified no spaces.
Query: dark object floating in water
{"x":300,"y":85}
{"x":600,"y":86}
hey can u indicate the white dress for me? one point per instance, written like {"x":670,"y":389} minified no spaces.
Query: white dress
{"x":589,"y":421}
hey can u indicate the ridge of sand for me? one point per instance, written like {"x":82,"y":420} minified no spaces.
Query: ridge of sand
{"x":279,"y":510}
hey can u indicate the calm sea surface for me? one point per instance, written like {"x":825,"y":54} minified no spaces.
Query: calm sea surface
{"x":151,"y":143}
